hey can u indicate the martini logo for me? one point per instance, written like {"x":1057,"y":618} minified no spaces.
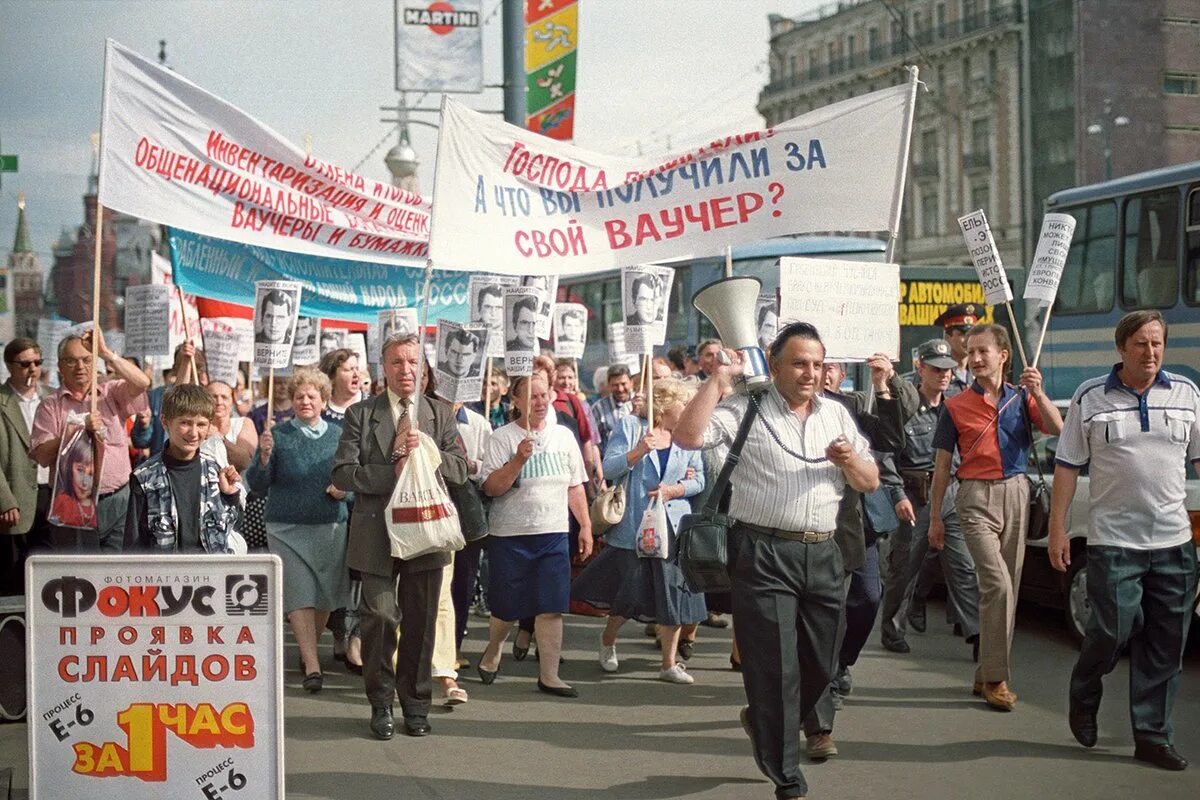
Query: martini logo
{"x":441,"y":18}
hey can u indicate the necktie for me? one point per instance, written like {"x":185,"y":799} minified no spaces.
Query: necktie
{"x":403,"y":426}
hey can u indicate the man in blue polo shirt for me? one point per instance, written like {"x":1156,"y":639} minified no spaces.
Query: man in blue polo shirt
{"x":1134,"y":429}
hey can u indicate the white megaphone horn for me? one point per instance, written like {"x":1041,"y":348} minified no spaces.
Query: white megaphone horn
{"x":729,"y":305}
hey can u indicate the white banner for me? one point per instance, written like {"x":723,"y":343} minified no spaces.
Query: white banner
{"x":855,"y":307}
{"x":521,"y":304}
{"x":533,"y":205}
{"x":1050,"y":258}
{"x":148,"y":320}
{"x":570,"y":330}
{"x":155,"y":676}
{"x":645,"y":292}
{"x":388,"y":323}
{"x":978,"y":235}
{"x":276,"y":308}
{"x":766,"y":320}
{"x":161,"y":273}
{"x":439,"y":46}
{"x":221,"y":351}
{"x":486,"y":295}
{"x":458,"y":365}
{"x":173,"y":153}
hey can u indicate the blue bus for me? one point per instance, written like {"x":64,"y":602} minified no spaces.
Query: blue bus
{"x":1136,"y":246}
{"x":924,"y":292}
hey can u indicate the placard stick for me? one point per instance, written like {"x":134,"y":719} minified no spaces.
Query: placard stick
{"x":270,"y":420}
{"x":487,"y":391}
{"x":729,"y":262}
{"x":642,"y":377}
{"x":529,"y":406}
{"x":1017,"y":334}
{"x":1042,"y":339}
{"x":96,"y":334}
{"x":192,"y":375}
{"x":420,"y":340}
{"x":650,"y":390}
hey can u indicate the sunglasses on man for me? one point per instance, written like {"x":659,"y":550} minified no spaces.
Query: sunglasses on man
{"x":37,"y":362}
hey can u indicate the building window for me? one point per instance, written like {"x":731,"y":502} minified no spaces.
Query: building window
{"x":929,"y":212}
{"x":1181,"y":83}
{"x":970,"y":11}
{"x":981,"y":134}
{"x":850,"y":52}
{"x":981,"y":196}
{"x":993,"y":66}
{"x":814,"y":65}
{"x":941,"y":20}
{"x":966,"y":74}
{"x":792,"y":67}
{"x":929,"y":147}
{"x":873,"y":44}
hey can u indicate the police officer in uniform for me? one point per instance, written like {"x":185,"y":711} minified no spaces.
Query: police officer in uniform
{"x":955,"y":321}
{"x":909,"y":571}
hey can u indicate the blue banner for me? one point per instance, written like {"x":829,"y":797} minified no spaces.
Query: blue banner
{"x":334,"y":288}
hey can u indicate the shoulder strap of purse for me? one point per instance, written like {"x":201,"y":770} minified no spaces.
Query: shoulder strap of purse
{"x":731,"y":461}
{"x":1037,"y":462}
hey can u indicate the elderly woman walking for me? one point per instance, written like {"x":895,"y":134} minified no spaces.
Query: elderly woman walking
{"x":305,"y":514}
{"x":534,"y":471}
{"x":647,"y":589}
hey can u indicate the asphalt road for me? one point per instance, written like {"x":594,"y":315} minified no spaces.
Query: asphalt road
{"x":910,"y":729}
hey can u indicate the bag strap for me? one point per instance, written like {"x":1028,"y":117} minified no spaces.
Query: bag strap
{"x":731,"y":461}
{"x":1037,"y":462}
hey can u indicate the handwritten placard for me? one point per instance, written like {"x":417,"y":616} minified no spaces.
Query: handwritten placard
{"x":854,"y":306}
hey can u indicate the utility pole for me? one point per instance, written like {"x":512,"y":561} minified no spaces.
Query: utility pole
{"x":514,"y":62}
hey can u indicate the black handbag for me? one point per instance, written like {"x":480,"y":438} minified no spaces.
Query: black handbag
{"x":471,"y":515}
{"x":703,"y":538}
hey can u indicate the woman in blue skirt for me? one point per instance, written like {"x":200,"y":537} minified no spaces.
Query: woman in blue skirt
{"x":534,"y":472}
{"x":647,"y":589}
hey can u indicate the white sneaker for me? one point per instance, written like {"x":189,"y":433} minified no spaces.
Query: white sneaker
{"x":608,"y":657}
{"x":676,"y":674}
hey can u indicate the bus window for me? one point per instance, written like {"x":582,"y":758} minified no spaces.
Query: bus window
{"x":612,"y":304}
{"x":591,"y":294}
{"x":1150,"y":273}
{"x":1087,"y":280}
{"x":1191,"y":279}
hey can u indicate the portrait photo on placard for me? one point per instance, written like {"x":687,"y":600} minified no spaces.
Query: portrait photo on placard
{"x":645,"y":303}
{"x":397,"y":322}
{"x":766,"y":320}
{"x":461,"y":350}
{"x":547,"y":285}
{"x":332,"y":339}
{"x":521,"y":309}
{"x":570,"y":329}
{"x":276,"y":311}
{"x":485,"y":293}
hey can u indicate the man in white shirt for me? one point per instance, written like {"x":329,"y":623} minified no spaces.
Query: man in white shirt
{"x":1135,"y":429}
{"x":801,"y":453}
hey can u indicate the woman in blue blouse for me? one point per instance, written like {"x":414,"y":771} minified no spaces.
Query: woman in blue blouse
{"x":647,"y":589}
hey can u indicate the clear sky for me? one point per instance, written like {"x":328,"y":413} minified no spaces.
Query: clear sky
{"x":651,"y":72}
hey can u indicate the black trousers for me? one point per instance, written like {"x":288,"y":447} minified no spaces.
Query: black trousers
{"x":462,"y":588}
{"x":787,"y":600}
{"x":398,"y":615}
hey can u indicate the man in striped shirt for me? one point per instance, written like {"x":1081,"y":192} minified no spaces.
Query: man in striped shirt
{"x":801,"y":453}
{"x":1135,"y":428}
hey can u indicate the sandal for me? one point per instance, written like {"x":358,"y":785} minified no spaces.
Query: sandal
{"x":456,"y":696}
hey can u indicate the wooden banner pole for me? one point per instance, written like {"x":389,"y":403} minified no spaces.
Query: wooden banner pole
{"x":96,"y":333}
{"x":1042,"y":339}
{"x":1017,"y":334}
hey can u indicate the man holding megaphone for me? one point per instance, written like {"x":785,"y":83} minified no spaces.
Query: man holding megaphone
{"x":799,"y":456}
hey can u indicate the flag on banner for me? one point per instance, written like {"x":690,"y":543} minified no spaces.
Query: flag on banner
{"x":551,"y":42}
{"x":537,"y":206}
{"x":175,"y":154}
{"x":334,"y":288}
{"x":439,"y":47}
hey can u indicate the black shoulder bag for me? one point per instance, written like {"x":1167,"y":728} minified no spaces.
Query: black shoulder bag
{"x":1039,"y":492}
{"x":703,"y":537}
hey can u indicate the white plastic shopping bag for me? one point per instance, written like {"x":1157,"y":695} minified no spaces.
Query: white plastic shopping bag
{"x":653,"y":538}
{"x":421,"y":519}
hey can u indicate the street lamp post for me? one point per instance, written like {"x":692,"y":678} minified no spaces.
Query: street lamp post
{"x":1106,"y":128}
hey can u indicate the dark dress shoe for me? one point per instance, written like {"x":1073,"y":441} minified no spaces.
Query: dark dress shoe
{"x":313,"y":682}
{"x":557,"y":691}
{"x":417,"y":726}
{"x":1083,"y":725}
{"x":353,"y":668}
{"x":519,"y":653}
{"x":487,"y":677}
{"x":382,"y":724}
{"x":973,"y":640}
{"x":734,"y":664}
{"x":1160,"y":755}
{"x":685,"y":649}
{"x":916,"y":619}
{"x":898,"y":646}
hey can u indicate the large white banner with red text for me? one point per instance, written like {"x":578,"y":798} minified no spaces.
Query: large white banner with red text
{"x":155,"y":676}
{"x":524,"y":204}
{"x":173,"y":153}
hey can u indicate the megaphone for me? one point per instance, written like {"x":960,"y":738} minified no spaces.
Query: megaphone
{"x":729,"y":306}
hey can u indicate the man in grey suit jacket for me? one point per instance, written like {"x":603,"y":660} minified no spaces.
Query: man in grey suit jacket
{"x":399,"y":598}
{"x":19,"y":399}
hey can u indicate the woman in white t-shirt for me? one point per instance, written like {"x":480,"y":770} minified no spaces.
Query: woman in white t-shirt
{"x":534,"y":472}
{"x":230,"y":440}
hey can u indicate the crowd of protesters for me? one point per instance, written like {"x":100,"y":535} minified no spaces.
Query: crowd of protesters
{"x":844,"y":503}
